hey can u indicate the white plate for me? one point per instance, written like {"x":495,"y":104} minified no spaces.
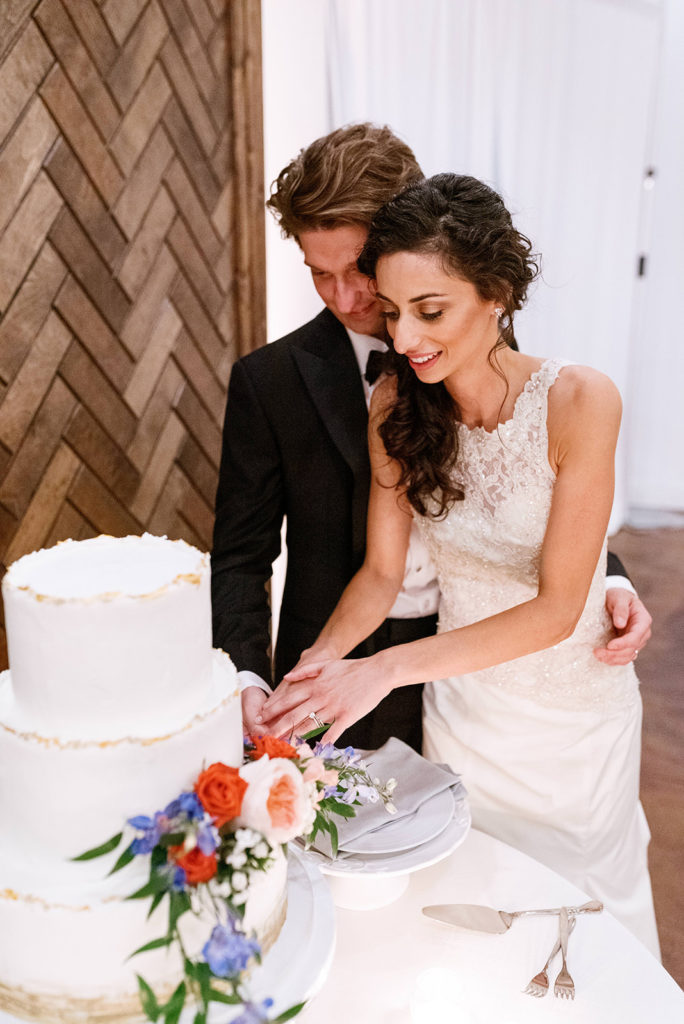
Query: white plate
{"x":404,"y":862}
{"x":424,"y":824}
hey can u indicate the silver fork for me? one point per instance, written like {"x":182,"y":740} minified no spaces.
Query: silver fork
{"x":539,"y":985}
{"x":564,"y":986}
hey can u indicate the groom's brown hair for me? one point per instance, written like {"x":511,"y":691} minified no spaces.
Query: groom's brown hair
{"x":342,"y":178}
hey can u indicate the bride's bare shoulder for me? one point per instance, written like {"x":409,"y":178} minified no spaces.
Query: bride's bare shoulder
{"x":583,"y":384}
{"x":583,"y":396}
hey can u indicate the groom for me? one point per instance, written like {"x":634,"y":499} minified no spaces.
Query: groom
{"x":294,"y":446}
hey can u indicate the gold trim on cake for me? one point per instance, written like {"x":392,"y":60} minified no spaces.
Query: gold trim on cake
{"x":143,"y":741}
{"x":193,"y":578}
{"x":53,"y":1008}
{"x":50,"y":1008}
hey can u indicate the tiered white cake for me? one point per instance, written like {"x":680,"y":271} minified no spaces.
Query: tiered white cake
{"x":113,"y":704}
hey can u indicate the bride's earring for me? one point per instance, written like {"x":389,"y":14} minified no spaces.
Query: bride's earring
{"x":498,"y":311}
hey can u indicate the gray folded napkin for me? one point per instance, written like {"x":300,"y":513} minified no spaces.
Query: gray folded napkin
{"x":417,"y":781}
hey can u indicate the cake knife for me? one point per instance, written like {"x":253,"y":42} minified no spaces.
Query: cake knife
{"x":487,"y":919}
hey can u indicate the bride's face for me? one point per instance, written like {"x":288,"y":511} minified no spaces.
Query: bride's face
{"x":436,"y":319}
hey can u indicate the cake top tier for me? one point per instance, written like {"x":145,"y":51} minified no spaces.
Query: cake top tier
{"x":109,"y":637}
{"x":106,"y":567}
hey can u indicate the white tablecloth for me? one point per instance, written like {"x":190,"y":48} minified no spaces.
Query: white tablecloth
{"x":395,"y":966}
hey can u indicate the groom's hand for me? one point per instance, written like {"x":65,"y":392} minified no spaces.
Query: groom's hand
{"x":253,"y":700}
{"x":632,"y":624}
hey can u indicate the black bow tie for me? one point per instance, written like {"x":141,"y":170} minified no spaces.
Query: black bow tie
{"x":378,"y":362}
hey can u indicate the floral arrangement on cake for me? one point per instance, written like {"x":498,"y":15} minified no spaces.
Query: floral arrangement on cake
{"x":206,"y":845}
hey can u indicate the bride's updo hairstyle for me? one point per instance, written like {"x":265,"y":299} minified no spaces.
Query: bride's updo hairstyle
{"x":466,"y":225}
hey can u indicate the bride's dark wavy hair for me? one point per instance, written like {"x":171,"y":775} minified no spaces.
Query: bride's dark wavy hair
{"x":465,"y":223}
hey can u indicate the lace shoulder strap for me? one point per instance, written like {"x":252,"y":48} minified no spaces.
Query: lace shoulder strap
{"x":537,"y":388}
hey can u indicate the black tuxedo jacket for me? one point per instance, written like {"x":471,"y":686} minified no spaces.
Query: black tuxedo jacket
{"x":294,"y":445}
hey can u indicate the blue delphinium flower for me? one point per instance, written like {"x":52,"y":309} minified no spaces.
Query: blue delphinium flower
{"x":187,"y":803}
{"x":228,"y":951}
{"x":254,"y":1013}
{"x":179,"y":881}
{"x":208,"y":837}
{"x":348,"y":791}
{"x":151,"y":828}
{"x":325,"y":750}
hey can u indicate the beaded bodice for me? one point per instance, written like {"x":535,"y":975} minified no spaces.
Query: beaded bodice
{"x":487,"y":552}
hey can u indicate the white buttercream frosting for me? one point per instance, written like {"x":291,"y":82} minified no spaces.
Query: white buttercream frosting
{"x":109,"y":636}
{"x":113,"y":704}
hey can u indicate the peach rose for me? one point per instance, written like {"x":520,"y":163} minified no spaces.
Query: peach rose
{"x":198,"y":866}
{"x":315,"y":771}
{"x":220,"y":790}
{"x":272,"y":746}
{"x":276,"y":802}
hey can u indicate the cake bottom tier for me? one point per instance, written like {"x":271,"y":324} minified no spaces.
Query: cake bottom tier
{"x":67,"y":964}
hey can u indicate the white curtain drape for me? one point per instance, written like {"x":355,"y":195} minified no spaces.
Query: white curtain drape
{"x":549,"y":102}
{"x":561,"y":105}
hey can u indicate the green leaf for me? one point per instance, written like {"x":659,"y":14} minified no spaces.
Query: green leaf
{"x":156,"y":884}
{"x":157,"y":858}
{"x":155,"y":903}
{"x":171,"y":839}
{"x":216,"y":996}
{"x":99,"y":851}
{"x":154,"y":944}
{"x":125,"y":858}
{"x":203,"y":976}
{"x":334,"y":838}
{"x":179,"y":904}
{"x":201,"y":1017}
{"x":174,"y":1007}
{"x":148,"y":1000}
{"x":289,"y":1014}
{"x":318,"y":731}
{"x":344,"y":810}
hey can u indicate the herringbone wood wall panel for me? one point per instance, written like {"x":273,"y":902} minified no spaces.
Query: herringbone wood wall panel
{"x":131,"y":260}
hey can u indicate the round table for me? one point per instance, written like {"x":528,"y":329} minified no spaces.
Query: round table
{"x":395,"y":966}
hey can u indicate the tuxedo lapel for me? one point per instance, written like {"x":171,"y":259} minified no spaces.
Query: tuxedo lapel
{"x":330,"y":373}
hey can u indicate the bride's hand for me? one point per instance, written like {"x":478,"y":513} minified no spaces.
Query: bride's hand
{"x":340,"y":693}
{"x":311,"y":661}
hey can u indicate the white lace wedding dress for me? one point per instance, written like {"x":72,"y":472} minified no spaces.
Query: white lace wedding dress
{"x":549,"y":744}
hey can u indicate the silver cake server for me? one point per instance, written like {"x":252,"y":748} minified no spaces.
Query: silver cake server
{"x":487,"y":919}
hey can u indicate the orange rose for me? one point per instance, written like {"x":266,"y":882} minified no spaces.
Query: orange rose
{"x":198,"y":866}
{"x":272,"y":746}
{"x":220,"y":791}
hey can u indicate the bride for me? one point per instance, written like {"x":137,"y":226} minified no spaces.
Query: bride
{"x":506,"y":463}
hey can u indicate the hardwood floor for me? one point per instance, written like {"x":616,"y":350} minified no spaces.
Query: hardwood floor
{"x":655,"y":562}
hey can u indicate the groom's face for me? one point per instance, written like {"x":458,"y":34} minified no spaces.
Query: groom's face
{"x":331,"y":254}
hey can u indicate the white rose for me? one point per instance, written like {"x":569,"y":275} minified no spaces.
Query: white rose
{"x":275,"y":802}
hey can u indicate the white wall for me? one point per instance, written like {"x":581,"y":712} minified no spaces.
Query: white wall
{"x":655,"y":400}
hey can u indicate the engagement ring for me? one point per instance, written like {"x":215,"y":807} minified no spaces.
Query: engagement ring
{"x":314,"y":718}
